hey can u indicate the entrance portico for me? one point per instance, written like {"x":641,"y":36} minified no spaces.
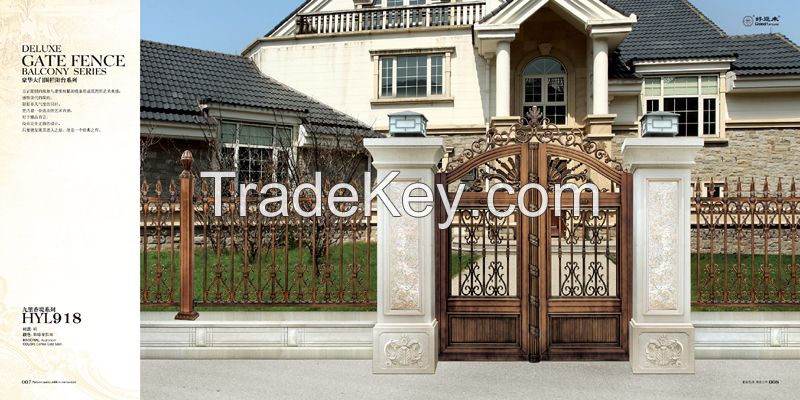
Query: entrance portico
{"x":578,"y":34}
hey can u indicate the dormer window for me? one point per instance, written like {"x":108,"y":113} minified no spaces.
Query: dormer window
{"x":694,"y":98}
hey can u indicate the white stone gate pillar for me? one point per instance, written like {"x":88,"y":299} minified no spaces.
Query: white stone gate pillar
{"x":406,"y":336}
{"x":661,"y":331}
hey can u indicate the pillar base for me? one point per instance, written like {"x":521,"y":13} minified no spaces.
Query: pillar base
{"x":599,"y":126}
{"x":662,"y":348}
{"x":187,"y":316}
{"x":405,"y":348}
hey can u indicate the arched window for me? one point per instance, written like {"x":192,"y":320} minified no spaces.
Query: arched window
{"x":545,"y":86}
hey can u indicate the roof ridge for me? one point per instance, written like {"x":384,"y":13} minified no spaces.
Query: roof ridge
{"x":753,"y":35}
{"x":787,"y":40}
{"x":707,"y":20}
{"x":776,"y":35}
{"x":194,"y":49}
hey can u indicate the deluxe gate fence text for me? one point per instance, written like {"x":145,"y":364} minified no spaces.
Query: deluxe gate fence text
{"x":251,"y":260}
{"x":745,"y":244}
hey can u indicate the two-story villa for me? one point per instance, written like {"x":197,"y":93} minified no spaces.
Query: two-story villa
{"x":598,"y":65}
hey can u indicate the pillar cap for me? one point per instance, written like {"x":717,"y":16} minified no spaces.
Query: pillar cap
{"x":405,"y":152}
{"x":661,"y":152}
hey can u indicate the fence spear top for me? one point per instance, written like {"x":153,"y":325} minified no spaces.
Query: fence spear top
{"x":698,"y":188}
{"x":739,"y":187}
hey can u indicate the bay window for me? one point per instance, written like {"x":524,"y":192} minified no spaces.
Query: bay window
{"x":694,"y":98}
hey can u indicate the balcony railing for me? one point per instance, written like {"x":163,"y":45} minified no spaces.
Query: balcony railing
{"x":379,"y":19}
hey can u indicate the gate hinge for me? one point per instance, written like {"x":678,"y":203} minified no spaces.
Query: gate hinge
{"x":534,"y":270}
{"x":534,"y":301}
{"x":533,"y":239}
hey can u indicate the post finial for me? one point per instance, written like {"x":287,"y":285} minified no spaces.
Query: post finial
{"x":186,"y":160}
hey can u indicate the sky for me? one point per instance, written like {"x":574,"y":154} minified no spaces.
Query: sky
{"x":231,"y":26}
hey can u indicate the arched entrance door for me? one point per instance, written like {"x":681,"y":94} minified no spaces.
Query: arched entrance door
{"x":555,"y":287}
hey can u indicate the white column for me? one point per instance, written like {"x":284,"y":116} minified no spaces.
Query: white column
{"x":661,"y":334}
{"x":406,"y":336}
{"x":503,"y":79}
{"x":600,"y":76}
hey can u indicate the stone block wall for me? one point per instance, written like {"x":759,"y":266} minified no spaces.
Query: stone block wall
{"x":748,"y":154}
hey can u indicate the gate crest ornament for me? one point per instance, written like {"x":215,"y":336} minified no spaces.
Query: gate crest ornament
{"x":534,"y":127}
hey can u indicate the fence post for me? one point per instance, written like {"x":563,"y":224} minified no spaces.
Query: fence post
{"x":661,"y":330}
{"x":406,"y":335}
{"x":187,"y":311}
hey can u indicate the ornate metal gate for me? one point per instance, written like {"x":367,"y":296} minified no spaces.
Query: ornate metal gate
{"x":545,"y":288}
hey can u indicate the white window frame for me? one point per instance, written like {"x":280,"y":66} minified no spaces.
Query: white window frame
{"x":428,"y":75}
{"x":545,"y":84}
{"x":445,"y":57}
{"x":236,"y":145}
{"x":701,"y":97}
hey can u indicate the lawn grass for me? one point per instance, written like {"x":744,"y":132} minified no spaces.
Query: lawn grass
{"x":248,"y":286}
{"x":746,"y":261}
{"x":285,"y":270}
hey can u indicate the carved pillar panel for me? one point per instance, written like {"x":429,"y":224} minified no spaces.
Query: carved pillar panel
{"x":405,"y":337}
{"x":661,"y":334}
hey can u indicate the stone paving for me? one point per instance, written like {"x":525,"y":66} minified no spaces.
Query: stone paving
{"x":330,"y":379}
